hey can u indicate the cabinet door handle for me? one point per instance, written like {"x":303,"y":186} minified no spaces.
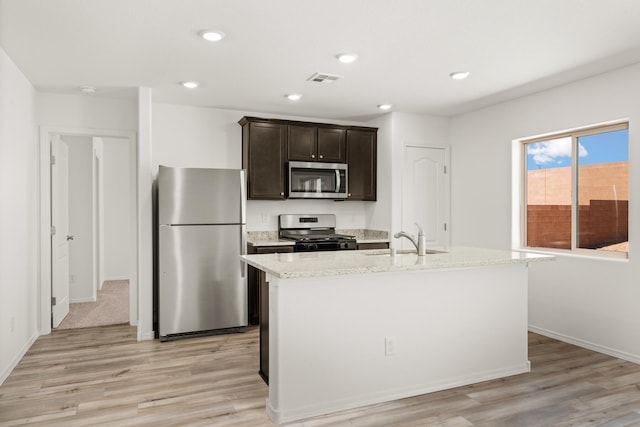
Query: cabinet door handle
{"x":321,"y":156}
{"x":313,"y":156}
{"x":282,"y":194}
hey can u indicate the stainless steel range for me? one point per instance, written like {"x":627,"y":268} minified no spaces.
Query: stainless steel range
{"x":314,"y":233}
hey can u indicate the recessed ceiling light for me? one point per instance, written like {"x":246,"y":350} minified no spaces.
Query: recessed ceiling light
{"x":459,"y":75}
{"x":347,"y":58}
{"x":384,"y":106}
{"x":212,"y":35}
{"x":294,"y":96}
{"x":190,"y":85}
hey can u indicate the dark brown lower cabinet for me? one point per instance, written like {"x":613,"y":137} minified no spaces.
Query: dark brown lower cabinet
{"x":252,"y":278}
{"x":258,"y":295}
{"x":263,"y":288}
{"x":252,"y":294}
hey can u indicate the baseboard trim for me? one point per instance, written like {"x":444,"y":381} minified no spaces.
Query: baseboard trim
{"x":7,"y":371}
{"x":89,"y":299}
{"x":111,"y":279}
{"x":146,"y":336}
{"x":587,"y":344}
{"x":280,"y":416}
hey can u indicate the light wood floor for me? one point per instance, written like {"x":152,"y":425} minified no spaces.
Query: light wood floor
{"x":102,"y":376}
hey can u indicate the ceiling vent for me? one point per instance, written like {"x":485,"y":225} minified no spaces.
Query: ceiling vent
{"x":323,"y":78}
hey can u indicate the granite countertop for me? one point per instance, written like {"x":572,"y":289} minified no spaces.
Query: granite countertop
{"x":318,"y":264}
{"x":270,"y":238}
{"x":366,"y":235}
{"x":266,"y":238}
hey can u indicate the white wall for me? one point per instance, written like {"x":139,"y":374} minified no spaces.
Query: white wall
{"x":116,"y":210}
{"x":592,"y":302}
{"x":81,"y":287}
{"x":196,"y":137}
{"x":207,"y":137}
{"x":18,"y":216}
{"x":86,"y":112}
{"x":143,"y":271}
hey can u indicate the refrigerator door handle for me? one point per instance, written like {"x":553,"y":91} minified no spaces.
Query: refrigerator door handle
{"x":243,"y":250}
{"x":243,"y":197}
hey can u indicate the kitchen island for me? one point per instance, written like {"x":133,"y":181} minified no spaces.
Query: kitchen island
{"x":352,"y":328}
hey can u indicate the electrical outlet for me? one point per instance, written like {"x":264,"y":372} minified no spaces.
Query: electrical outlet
{"x":72,"y":278}
{"x":12,"y":323}
{"x":389,"y":346}
{"x":265,"y":218}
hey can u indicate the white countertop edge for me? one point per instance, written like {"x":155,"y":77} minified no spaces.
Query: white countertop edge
{"x":432,"y":262}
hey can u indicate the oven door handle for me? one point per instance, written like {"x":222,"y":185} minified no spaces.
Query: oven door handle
{"x":337,"y":180}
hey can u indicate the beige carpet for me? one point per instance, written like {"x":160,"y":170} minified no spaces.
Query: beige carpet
{"x":111,"y":308}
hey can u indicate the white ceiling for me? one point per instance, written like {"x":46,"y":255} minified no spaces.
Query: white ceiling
{"x":407,"y":48}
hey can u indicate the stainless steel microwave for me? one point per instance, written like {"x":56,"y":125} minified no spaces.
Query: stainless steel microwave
{"x":316,"y":180}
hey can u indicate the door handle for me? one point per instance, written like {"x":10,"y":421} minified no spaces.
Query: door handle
{"x":69,"y":237}
{"x":243,"y":251}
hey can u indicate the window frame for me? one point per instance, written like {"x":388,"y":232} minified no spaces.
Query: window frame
{"x":574,"y":135}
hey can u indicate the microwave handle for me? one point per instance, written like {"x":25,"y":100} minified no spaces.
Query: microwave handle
{"x":337,"y":180}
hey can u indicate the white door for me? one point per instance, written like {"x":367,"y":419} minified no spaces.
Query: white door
{"x":424,"y":194}
{"x":60,"y":231}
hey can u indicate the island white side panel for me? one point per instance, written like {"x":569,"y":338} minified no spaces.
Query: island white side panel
{"x":449,"y":328}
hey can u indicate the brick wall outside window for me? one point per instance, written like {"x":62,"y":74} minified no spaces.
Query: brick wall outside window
{"x":603,"y":206}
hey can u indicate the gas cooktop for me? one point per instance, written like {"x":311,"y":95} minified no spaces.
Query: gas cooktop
{"x":314,"y":233}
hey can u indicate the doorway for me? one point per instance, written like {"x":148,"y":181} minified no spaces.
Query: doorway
{"x":102,"y":224}
{"x":99,"y":226}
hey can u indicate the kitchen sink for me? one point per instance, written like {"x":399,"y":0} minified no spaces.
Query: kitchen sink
{"x":386,"y":252}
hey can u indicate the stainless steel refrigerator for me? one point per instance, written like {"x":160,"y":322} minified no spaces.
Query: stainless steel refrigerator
{"x":202,"y":284}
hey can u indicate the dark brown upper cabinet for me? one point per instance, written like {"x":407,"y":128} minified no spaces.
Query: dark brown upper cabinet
{"x":316,"y":144}
{"x":362,"y":161}
{"x":264,"y":157}
{"x":268,"y":144}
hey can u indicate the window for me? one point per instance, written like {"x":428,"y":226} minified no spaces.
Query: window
{"x":576,"y":190}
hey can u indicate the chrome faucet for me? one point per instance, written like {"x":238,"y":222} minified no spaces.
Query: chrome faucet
{"x":420,"y":243}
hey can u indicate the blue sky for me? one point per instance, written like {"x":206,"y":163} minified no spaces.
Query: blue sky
{"x":599,"y":148}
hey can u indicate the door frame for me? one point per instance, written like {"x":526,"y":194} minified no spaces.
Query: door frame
{"x":44,"y":294}
{"x":97,"y":201}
